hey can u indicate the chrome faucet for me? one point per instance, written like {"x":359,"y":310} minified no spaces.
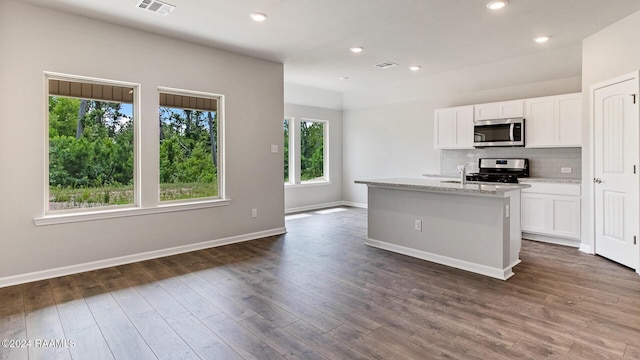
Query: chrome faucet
{"x":463,"y":173}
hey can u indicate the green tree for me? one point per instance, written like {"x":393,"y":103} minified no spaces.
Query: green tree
{"x":311,"y":150}
{"x":188,"y":152}
{"x":286,"y":150}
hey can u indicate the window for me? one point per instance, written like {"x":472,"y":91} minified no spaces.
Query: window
{"x":305,"y":151}
{"x":189,"y":145}
{"x":286,"y":123}
{"x":91,"y":150}
{"x":312,"y":150}
{"x":94,"y":153}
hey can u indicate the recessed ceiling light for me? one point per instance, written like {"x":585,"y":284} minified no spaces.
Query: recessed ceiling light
{"x":356,"y":49}
{"x":343,"y":78}
{"x":495,"y":5}
{"x":258,"y":16}
{"x":414,"y":68}
{"x":541,"y":39}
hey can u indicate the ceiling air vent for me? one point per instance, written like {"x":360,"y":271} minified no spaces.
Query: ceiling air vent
{"x":386,"y":65}
{"x":156,"y":6}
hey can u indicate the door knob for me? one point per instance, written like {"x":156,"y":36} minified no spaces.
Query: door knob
{"x":597,"y":180}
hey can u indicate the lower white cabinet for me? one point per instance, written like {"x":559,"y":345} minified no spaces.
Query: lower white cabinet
{"x":551,"y":212}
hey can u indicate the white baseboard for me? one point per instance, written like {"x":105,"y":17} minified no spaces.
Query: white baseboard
{"x":323,"y":206}
{"x":586,"y":248}
{"x":127,"y":259}
{"x":354,"y":204}
{"x":313,"y":207}
{"x":551,"y":239}
{"x":502,"y":274}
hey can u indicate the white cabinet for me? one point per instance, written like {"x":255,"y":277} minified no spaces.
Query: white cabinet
{"x":553,"y":121}
{"x":454,"y":128}
{"x":499,"y":110}
{"x":551,"y":212}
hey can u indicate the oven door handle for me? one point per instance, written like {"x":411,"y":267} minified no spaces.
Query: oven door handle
{"x":511,"y":130}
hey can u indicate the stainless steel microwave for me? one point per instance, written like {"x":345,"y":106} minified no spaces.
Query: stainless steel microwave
{"x":498,"y":132}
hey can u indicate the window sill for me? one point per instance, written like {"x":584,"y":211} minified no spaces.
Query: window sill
{"x":307,"y":184}
{"x":53,"y":219}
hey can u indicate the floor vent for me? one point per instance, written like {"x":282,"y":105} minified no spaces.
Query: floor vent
{"x":156,"y":6}
{"x":386,"y":65}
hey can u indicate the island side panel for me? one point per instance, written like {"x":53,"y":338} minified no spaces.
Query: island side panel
{"x":464,"y":227}
{"x":516,"y":228}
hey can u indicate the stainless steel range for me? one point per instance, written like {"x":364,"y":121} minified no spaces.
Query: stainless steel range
{"x":500,"y":170}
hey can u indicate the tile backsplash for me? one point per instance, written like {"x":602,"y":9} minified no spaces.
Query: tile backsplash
{"x":542,"y":162}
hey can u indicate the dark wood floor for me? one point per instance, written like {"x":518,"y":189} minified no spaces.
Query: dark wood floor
{"x":319,"y":293}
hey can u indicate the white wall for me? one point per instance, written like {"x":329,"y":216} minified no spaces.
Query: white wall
{"x":296,"y":94}
{"x":301,"y":197}
{"x":34,"y":40}
{"x":607,"y":54}
{"x":385,"y":136}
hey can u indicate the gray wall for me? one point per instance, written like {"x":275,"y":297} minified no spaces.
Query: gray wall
{"x":607,"y":54}
{"x":34,"y":40}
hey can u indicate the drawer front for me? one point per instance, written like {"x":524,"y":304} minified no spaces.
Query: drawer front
{"x":553,"y":188}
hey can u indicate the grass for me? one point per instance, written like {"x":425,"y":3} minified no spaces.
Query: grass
{"x":75,"y":198}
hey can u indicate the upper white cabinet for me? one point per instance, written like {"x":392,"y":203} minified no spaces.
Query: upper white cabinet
{"x":499,"y":110}
{"x":454,"y":128}
{"x":554,"y":121}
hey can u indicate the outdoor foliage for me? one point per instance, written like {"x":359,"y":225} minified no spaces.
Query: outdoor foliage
{"x":91,"y":153}
{"x":188,"y":154}
{"x":311,"y":150}
{"x":286,"y":150}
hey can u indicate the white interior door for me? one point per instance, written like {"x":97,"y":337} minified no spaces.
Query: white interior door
{"x":617,"y":186}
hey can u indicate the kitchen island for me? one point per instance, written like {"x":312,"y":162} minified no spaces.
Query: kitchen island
{"x":472,"y":226}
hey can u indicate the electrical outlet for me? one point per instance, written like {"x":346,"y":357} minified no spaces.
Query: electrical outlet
{"x":254,"y":213}
{"x":274,"y":148}
{"x":565,"y":170}
{"x":418,"y":225}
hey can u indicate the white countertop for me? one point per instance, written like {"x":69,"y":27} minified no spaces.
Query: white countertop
{"x":421,"y":184}
{"x":551,"y":180}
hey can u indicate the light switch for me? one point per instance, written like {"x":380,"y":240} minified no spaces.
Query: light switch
{"x":274,"y":148}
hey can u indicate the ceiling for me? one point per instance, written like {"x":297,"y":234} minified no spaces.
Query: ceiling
{"x":312,"y":37}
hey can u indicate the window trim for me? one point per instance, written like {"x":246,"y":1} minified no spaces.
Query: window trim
{"x":220,"y":114}
{"x":113,"y":212}
{"x":292,"y":165}
{"x":138,"y":207}
{"x":325,"y":152}
{"x":294,"y":151}
{"x":137,"y":193}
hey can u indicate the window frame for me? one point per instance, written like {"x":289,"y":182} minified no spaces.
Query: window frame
{"x":139,"y":206}
{"x":137,"y":199}
{"x":295,"y":136}
{"x":291,"y":159}
{"x":220,"y":98}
